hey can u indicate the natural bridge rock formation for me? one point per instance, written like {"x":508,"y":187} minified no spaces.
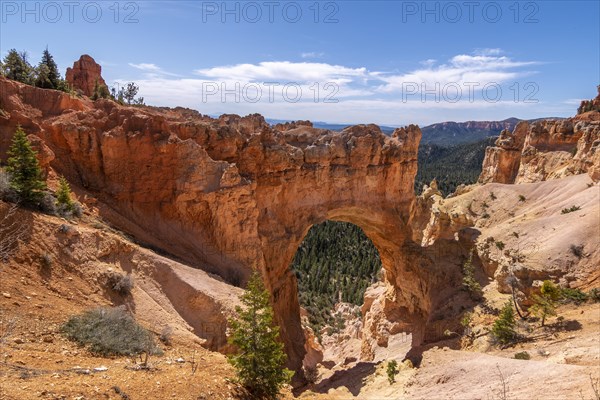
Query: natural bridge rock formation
{"x":231,"y":194}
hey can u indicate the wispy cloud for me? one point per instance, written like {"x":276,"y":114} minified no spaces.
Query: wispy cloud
{"x":460,"y":69}
{"x":312,"y":54}
{"x":151,"y":69}
{"x":488,"y":52}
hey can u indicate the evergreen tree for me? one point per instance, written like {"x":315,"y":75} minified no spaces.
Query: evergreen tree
{"x":47,"y":71}
{"x":63,"y":195}
{"x":545,"y":304}
{"x":504,"y":326}
{"x":260,"y":356}
{"x":16,"y":67}
{"x":42,"y":77}
{"x":24,"y":168}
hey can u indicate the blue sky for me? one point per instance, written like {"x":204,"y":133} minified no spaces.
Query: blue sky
{"x":387,"y":62}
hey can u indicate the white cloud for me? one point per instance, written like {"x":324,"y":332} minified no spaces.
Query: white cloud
{"x":286,"y":71}
{"x":151,"y":69}
{"x":312,"y":54}
{"x":362,"y":95}
{"x":146,"y":67}
{"x":461,"y":69}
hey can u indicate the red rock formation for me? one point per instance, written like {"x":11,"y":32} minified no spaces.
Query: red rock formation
{"x":232,"y":194}
{"x":545,"y":150}
{"x":85,"y":74}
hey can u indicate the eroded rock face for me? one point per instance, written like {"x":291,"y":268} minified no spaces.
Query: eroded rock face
{"x":84,"y":75}
{"x":545,"y":150}
{"x":231,"y":194}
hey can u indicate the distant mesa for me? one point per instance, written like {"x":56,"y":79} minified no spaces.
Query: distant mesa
{"x":84,"y":75}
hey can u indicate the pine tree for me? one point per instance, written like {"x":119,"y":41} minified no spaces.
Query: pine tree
{"x":545,"y":304}
{"x":24,"y":168}
{"x":260,"y":356}
{"x":63,"y":195}
{"x":42,"y":79}
{"x":48,"y":74}
{"x":504,"y":326}
{"x":16,"y":67}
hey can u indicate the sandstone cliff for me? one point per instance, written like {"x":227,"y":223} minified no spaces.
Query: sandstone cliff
{"x":545,"y":150}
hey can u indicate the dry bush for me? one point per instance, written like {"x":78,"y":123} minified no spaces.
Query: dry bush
{"x":110,"y":331}
{"x":120,"y":283}
{"x":166,"y":335}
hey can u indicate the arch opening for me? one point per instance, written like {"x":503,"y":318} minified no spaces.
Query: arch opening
{"x":334,"y":265}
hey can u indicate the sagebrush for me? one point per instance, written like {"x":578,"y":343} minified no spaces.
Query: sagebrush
{"x":110,"y":331}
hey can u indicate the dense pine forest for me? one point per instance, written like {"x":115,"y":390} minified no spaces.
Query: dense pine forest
{"x":337,"y":262}
{"x":451,"y":166}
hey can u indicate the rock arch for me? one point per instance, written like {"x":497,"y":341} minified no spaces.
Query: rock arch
{"x":231,"y":194}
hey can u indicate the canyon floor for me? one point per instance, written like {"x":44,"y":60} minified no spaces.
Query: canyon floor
{"x":37,"y":362}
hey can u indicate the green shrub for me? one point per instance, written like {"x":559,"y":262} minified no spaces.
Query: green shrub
{"x":570,"y":210}
{"x":523,"y":355}
{"x":110,"y":331}
{"x":594,"y":295}
{"x":522,"y":198}
{"x":550,"y":290}
{"x":503,"y":329}
{"x":573,"y":296}
{"x":500,"y":245}
{"x":392,"y":370}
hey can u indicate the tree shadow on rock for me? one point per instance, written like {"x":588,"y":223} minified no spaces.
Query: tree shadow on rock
{"x":352,"y":378}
